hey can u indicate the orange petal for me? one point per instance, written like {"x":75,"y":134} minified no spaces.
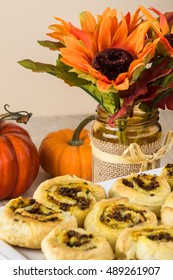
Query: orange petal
{"x":121,"y":81}
{"x":104,"y":36}
{"x":135,"y":41}
{"x":79,"y":34}
{"x":109,"y":12}
{"x":150,"y":48}
{"x":57,"y":36}
{"x":88,"y":22}
{"x":114,"y":26}
{"x":135,"y":18}
{"x":62,"y":21}
{"x":137,"y":63}
{"x":167,"y":47}
{"x":148,"y":15}
{"x":75,"y":58}
{"x":73,"y":44}
{"x":59,"y":31}
{"x":102,"y":85}
{"x":163,"y":22}
{"x":73,"y":64}
{"x":120,"y":36}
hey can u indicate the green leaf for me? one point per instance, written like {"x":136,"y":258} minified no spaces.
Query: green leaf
{"x":138,"y":72}
{"x":109,"y":100}
{"x":162,"y":49}
{"x":144,"y":107}
{"x":103,"y":98}
{"x":51,"y":45}
{"x":162,"y":95}
{"x":61,"y":71}
{"x":38,"y":67}
{"x":164,"y":81}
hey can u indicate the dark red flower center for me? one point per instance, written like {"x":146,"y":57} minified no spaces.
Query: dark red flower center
{"x":112,"y":62}
{"x":169,"y":37}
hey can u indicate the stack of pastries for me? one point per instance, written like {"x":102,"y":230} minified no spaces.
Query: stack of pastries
{"x":72,"y":218}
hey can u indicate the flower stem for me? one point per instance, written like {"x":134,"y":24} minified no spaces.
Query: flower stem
{"x":19,"y":117}
{"x":76,"y":141}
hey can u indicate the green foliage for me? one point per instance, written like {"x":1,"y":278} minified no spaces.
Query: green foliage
{"x":62,"y":71}
{"x":54,"y":46}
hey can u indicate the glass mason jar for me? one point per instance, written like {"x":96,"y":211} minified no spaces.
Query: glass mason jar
{"x":143,"y":129}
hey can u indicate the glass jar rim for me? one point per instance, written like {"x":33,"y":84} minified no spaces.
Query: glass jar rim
{"x":139,"y":116}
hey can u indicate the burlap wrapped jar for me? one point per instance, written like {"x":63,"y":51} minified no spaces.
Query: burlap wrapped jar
{"x":124,"y":148}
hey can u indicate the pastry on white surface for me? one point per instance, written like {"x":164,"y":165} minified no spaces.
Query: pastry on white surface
{"x":167,"y":171}
{"x":71,"y":194}
{"x":25,"y":222}
{"x":144,"y":189}
{"x":145,"y":243}
{"x":109,"y":217}
{"x":75,"y":244}
{"x":167,"y":211}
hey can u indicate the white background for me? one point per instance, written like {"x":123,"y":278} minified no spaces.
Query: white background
{"x":101,"y":267}
{"x":22,"y":23}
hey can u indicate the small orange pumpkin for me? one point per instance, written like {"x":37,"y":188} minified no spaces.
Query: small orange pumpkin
{"x":67,"y":151}
{"x":19,"y":160}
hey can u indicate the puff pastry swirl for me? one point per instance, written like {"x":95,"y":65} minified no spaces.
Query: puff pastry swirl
{"x":71,"y":194}
{"x":167,"y":210}
{"x":145,"y":189}
{"x":109,"y":217}
{"x":25,"y":222}
{"x":150,"y":243}
{"x":75,"y":244}
{"x":167,"y":171}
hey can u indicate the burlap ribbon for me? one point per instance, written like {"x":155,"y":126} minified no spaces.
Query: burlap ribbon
{"x":134,"y":155}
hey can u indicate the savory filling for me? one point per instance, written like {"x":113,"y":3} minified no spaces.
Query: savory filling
{"x":122,"y":216}
{"x":70,"y":195}
{"x":75,"y":239}
{"x":163,"y":235}
{"x":169,"y":169}
{"x":29,"y":208}
{"x":143,"y":182}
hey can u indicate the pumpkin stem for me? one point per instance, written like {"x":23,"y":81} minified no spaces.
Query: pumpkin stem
{"x":19,"y":117}
{"x":76,"y":141}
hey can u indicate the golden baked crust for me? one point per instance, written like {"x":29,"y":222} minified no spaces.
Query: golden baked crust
{"x":25,"y":222}
{"x":150,"y":243}
{"x":167,"y":172}
{"x":75,"y":244}
{"x":167,"y":211}
{"x":144,"y":189}
{"x":109,"y":217}
{"x":71,"y":194}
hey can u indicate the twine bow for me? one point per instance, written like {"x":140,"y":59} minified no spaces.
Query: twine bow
{"x":134,"y":155}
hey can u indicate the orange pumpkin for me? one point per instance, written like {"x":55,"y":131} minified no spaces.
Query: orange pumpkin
{"x":19,"y":160}
{"x":67,"y":151}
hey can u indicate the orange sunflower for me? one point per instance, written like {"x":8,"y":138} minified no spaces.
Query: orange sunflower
{"x":120,"y":63}
{"x":108,"y":52}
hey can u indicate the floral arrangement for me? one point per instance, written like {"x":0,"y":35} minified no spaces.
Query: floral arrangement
{"x":120,"y":63}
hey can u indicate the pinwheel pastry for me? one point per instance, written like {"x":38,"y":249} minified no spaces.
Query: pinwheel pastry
{"x":25,"y":222}
{"x":145,"y":189}
{"x":71,"y":194}
{"x":145,"y":243}
{"x":167,"y":211}
{"x":167,"y":171}
{"x":109,"y":217}
{"x":75,"y":244}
